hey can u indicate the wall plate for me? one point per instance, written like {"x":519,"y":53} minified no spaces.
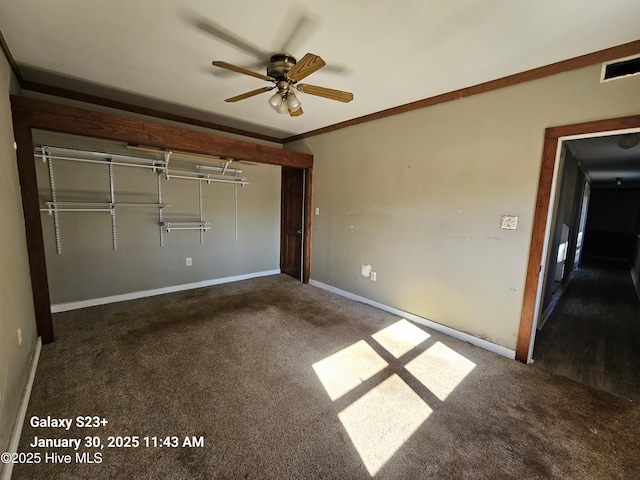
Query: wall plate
{"x":509,"y":222}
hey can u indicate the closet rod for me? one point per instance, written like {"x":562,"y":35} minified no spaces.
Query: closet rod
{"x":222,"y":170}
{"x":79,"y":204}
{"x":239,"y":181}
{"x":106,"y":204}
{"x":90,"y":155}
{"x":159,"y":166}
{"x":187,"y":228}
{"x":51,"y":210}
{"x":202,"y":226}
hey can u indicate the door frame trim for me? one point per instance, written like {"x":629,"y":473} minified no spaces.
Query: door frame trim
{"x":552,"y":140}
{"x":307,"y":219}
{"x":307,"y":205}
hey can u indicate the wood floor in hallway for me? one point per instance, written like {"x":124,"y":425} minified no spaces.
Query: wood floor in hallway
{"x":593,"y":334}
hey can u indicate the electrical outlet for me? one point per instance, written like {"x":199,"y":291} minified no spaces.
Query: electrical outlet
{"x":19,"y":331}
{"x":189,"y":262}
{"x":374,"y":276}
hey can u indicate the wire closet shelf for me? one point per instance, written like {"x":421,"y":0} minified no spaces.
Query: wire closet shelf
{"x":201,"y":173}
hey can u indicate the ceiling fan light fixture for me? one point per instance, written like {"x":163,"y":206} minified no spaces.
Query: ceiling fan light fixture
{"x":285,"y":72}
{"x":276,"y":101}
{"x":292,"y":102}
{"x":629,"y":140}
{"x":283,"y":109}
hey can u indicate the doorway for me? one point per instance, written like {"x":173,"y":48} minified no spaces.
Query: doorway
{"x":588,"y":326}
{"x":543,"y":215}
{"x":292,"y":222}
{"x":591,"y":328}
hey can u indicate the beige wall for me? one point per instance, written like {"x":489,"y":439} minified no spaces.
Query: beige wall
{"x":89,"y":268}
{"x":419,"y":196}
{"x":16,"y":301}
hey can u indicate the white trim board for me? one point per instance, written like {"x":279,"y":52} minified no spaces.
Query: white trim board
{"x":64,"y":307}
{"x":22,"y":410}
{"x":457,"y":334}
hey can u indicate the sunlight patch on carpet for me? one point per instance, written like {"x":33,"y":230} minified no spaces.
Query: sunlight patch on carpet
{"x":400,"y":337}
{"x":382,"y":420}
{"x":386,"y":414}
{"x":348,"y":368}
{"x":440,"y":369}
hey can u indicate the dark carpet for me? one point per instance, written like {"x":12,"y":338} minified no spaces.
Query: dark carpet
{"x":287,"y":381}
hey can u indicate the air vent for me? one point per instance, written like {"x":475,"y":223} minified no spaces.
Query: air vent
{"x":625,"y":67}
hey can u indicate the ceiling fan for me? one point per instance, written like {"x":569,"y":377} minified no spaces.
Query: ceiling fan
{"x":285,"y":72}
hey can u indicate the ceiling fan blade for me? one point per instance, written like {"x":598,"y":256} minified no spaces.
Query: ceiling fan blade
{"x":235,"y":68}
{"x":242,"y":96}
{"x":339,"y":95}
{"x":297,"y":113}
{"x":218,"y":31}
{"x":302,"y":26}
{"x":305,"y":67}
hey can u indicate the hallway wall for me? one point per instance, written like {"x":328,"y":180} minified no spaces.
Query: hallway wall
{"x":567,"y":213}
{"x":635,"y":263}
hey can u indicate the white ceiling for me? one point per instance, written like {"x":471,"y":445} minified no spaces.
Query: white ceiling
{"x":158,"y":53}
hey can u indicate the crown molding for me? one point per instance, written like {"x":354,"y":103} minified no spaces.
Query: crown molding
{"x":575,"y":63}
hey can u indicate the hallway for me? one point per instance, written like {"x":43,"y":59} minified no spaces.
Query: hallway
{"x":593,"y":335}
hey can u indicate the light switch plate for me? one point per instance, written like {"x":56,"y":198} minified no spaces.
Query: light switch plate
{"x":509,"y":222}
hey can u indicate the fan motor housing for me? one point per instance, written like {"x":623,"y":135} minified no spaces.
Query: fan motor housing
{"x":280,"y":64}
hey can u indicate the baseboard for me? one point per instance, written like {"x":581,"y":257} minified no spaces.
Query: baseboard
{"x":14,"y":440}
{"x":457,"y":334}
{"x":63,"y":307}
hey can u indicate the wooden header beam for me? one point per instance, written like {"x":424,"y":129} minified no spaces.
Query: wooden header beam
{"x":77,"y":121}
